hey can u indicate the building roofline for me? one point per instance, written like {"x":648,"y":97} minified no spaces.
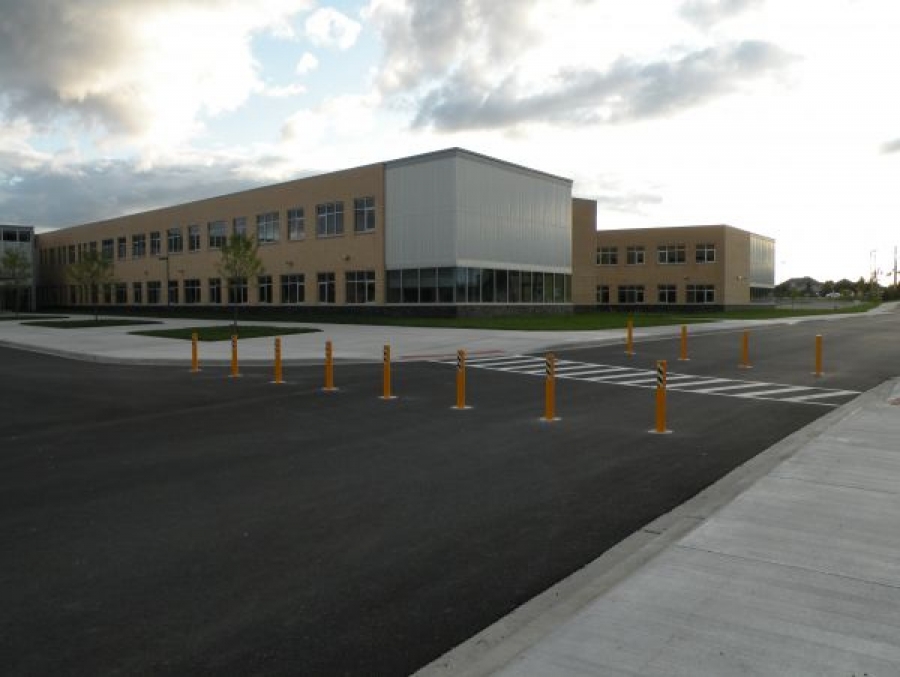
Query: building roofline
{"x":686,"y":227}
{"x":462,"y":152}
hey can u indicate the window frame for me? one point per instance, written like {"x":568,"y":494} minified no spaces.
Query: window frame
{"x":364,"y":214}
{"x":608,"y":256}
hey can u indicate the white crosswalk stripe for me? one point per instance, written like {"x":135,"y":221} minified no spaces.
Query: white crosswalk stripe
{"x":529,"y":365}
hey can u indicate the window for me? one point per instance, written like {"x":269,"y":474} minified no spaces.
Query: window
{"x":296,"y":224}
{"x":634,"y":256}
{"x":701,"y":293}
{"x":121,"y":293}
{"x":670,"y":253}
{"x":292,"y":289}
{"x":264,"y":288}
{"x":154,"y":244}
{"x":608,"y":256}
{"x":192,"y":291}
{"x":239,"y":226}
{"x":364,"y":214}
{"x":631,"y":293}
{"x":666,"y":293}
{"x":706,"y":253}
{"x":175,"y":240}
{"x":217,"y":235}
{"x":330,"y":219}
{"x":215,"y":290}
{"x":603,"y":294}
{"x":137,"y":295}
{"x":106,"y":249}
{"x":154,"y":289}
{"x":360,"y":286}
{"x":121,"y":247}
{"x":267,"y":227}
{"x":173,"y":292}
{"x":194,"y":238}
{"x":237,"y":290}
{"x":138,"y":246}
{"x":326,"y":287}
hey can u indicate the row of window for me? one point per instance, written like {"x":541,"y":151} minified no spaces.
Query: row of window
{"x":665,"y":254}
{"x":476,"y":285}
{"x":329,"y":223}
{"x":359,"y":288}
{"x":665,"y":293}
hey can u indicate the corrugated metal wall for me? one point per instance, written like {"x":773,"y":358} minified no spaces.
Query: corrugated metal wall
{"x":464,"y":210}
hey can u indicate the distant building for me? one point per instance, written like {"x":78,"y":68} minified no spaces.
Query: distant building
{"x":20,"y":238}
{"x":447,"y":232}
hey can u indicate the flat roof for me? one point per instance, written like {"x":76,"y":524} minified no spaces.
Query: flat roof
{"x":462,"y":152}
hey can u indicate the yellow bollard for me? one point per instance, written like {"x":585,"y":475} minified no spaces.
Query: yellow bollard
{"x":745,"y":351}
{"x":195,"y":358}
{"x":629,"y":338}
{"x":818,"y":355}
{"x":278,"y":373}
{"x":329,"y":368}
{"x":550,"y":389}
{"x":461,"y":380}
{"x":386,"y":375}
{"x":683,"y":356}
{"x":660,"y":428}
{"x":234,"y":356}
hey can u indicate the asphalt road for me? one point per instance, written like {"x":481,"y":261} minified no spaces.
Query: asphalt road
{"x":158,"y":522}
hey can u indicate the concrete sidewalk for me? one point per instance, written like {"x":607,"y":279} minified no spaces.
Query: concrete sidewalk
{"x":790,"y":565}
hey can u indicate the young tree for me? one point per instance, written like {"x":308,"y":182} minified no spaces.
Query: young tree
{"x":91,"y":272}
{"x":16,"y":265}
{"x":239,"y":261}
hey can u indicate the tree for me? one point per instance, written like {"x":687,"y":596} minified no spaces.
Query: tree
{"x":16,"y":265}
{"x":90,"y":273}
{"x":239,"y":261}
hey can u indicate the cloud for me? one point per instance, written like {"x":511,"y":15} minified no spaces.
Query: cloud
{"x":283,"y":91}
{"x":891,"y":147}
{"x":705,"y":13}
{"x":308,"y":63}
{"x":627,"y":90}
{"x":140,"y":70}
{"x":329,"y":28}
{"x":43,"y":194}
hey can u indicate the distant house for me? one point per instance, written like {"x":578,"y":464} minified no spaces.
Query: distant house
{"x":803,"y":285}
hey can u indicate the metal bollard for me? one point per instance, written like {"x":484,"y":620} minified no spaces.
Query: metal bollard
{"x":550,"y":389}
{"x":234,"y":356}
{"x":461,"y":380}
{"x":278,"y":373}
{"x":329,"y":368}
{"x":818,"y":355}
{"x":386,"y":375}
{"x":745,"y":351}
{"x":660,"y":428}
{"x":195,"y":357}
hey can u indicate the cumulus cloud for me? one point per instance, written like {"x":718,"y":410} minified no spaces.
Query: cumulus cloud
{"x":308,"y":63}
{"x":283,"y":91}
{"x":891,"y":147}
{"x":142,"y":70}
{"x":705,"y":13}
{"x":330,"y":28}
{"x":44,"y":194}
{"x":628,"y":90}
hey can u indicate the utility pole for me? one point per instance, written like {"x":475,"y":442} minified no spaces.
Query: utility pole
{"x":895,"y":266}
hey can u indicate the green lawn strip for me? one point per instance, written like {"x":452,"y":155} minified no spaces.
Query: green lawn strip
{"x":25,"y":318}
{"x":224,"y":332}
{"x":87,"y":324}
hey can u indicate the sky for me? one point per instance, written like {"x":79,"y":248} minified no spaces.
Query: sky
{"x":781,"y":117}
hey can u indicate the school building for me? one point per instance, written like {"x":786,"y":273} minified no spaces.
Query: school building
{"x":449,"y":232}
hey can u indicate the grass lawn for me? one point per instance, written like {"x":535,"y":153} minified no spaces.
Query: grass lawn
{"x":27,"y":316}
{"x":87,"y":324}
{"x":224,"y":332}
